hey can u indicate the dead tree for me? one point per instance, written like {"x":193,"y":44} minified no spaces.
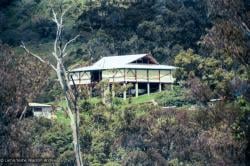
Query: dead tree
{"x":59,"y":52}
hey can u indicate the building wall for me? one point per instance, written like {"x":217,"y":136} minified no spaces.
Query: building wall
{"x":45,"y":112}
{"x":113,"y":75}
{"x":81,"y":78}
{"x":154,"y":76}
{"x":132,"y":75}
{"x":127,"y":75}
{"x":141,"y":75}
{"x":166,"y":76}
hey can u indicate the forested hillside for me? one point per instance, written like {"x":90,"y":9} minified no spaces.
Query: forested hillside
{"x":203,"y":119}
{"x":108,"y":28}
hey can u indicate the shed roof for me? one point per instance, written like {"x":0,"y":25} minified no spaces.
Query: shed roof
{"x":39,"y":105}
{"x":123,"y":61}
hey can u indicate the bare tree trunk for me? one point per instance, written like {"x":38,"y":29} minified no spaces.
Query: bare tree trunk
{"x":72,"y":110}
{"x":77,"y":118}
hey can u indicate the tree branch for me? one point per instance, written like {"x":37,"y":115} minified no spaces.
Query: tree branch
{"x":245,"y":26}
{"x":57,"y":33}
{"x":36,"y":56}
{"x":59,"y":23}
{"x":23,"y":113}
{"x":54,"y":17}
{"x":70,"y":41}
{"x":63,"y":13}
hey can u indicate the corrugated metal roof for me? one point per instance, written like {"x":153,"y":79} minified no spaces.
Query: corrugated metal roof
{"x":128,"y":66}
{"x":149,"y":66}
{"x":120,"y":62}
{"x":116,"y":61}
{"x":38,"y":105}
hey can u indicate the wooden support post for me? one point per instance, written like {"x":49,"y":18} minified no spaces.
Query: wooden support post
{"x":148,"y":84}
{"x":112,"y":91}
{"x":124,"y":92}
{"x":124,"y":75}
{"x":79,"y":78}
{"x":108,"y":88}
{"x":148,"y":88}
{"x":136,"y":89}
{"x":160,"y":87}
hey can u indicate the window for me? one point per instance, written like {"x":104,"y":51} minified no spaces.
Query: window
{"x":38,"y":109}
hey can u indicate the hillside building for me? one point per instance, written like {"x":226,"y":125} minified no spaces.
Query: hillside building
{"x":141,"y":70}
{"x":41,"y":110}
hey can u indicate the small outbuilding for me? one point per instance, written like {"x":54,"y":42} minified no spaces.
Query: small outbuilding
{"x":41,"y":110}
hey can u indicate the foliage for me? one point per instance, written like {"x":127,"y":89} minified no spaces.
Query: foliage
{"x":22,"y":79}
{"x":213,"y":75}
{"x":58,"y":140}
{"x":36,"y":21}
{"x":188,"y":63}
{"x":199,"y":91}
{"x":149,"y":26}
{"x":143,"y":133}
{"x":109,"y":27}
{"x":230,"y":31}
{"x":176,"y":97}
{"x":51,"y":91}
{"x":22,"y":138}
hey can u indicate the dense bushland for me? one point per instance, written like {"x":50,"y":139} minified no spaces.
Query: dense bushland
{"x":207,"y":40}
{"x":142,"y":134}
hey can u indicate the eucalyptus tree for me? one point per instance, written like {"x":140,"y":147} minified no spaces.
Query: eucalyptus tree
{"x":231,"y":29}
{"x":59,"y":53}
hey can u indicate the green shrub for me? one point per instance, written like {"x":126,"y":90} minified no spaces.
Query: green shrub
{"x":176,"y":97}
{"x":86,"y":105}
{"x":67,"y":158}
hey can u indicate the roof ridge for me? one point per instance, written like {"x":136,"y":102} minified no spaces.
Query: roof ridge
{"x":125,"y":55}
